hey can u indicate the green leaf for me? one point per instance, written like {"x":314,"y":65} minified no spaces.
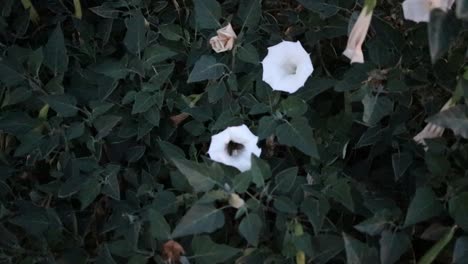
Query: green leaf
{"x":316,"y":211}
{"x":266,"y":127}
{"x":441,"y":29}
{"x":111,"y":68}
{"x":460,"y":251}
{"x":16,"y":95}
{"x":171,"y":151}
{"x":423,"y":206}
{"x":201,"y":218}
{"x":375,"y":108}
{"x":159,"y":228}
{"x":392,"y":246}
{"x":374,"y":225}
{"x":208,"y":252}
{"x":55,"y":52}
{"x":32,"y":219}
{"x":111,"y":186}
{"x":401,"y":162}
{"x":358,"y":252}
{"x":206,"y":68}
{"x":135,"y":38}
{"x":216,"y":91}
{"x":9,"y":74}
{"x":250,"y":12}
{"x":299,"y":134}
{"x":286,"y":179}
{"x":285,"y":205}
{"x":260,"y":171}
{"x":293,"y":106}
{"x":64,"y":105}
{"x":242,"y":182}
{"x":454,"y":118}
{"x":198,"y":175}
{"x":104,"y":125}
{"x":143,"y":102}
{"x":207,"y":14}
{"x":462,"y":9}
{"x":250,"y":228}
{"x":17,"y":123}
{"x":90,"y":189}
{"x":156,"y":54}
{"x":435,"y":250}
{"x":458,"y":209}
{"x":340,"y":190}
{"x":248,"y":53}
{"x":326,"y":8}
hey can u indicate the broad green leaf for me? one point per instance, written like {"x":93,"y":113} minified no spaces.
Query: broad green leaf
{"x":104,"y":125}
{"x":135,"y":38}
{"x":293,"y":106}
{"x":32,"y":219}
{"x":454,"y":118}
{"x":207,"y":14}
{"x":111,"y":186}
{"x":401,"y":162}
{"x":299,"y":134}
{"x":442,"y":28}
{"x":248,"y":53}
{"x":316,"y":211}
{"x":17,"y":123}
{"x":206,"y":68}
{"x":375,"y":108}
{"x":460,"y":251}
{"x":159,"y":228}
{"x":71,"y":186}
{"x":200,"y":218}
{"x":143,"y":102}
{"x":285,"y":179}
{"x":250,"y":12}
{"x":64,"y":105}
{"x":90,"y":189}
{"x":340,"y":190}
{"x":111,"y":68}
{"x":260,"y":171}
{"x":326,"y":8}
{"x":208,"y":252}
{"x":171,"y":151}
{"x":392,"y":246}
{"x":197,"y":174}
{"x":462,"y":9}
{"x":242,"y":182}
{"x":458,"y":209}
{"x":216,"y":91}
{"x":155,"y":54}
{"x":374,"y":225}
{"x":104,"y":256}
{"x":435,"y":250}
{"x":328,"y":246}
{"x":10,"y":75}
{"x":266,"y":127}
{"x":285,"y":205}
{"x":16,"y":95}
{"x":250,"y":228}
{"x":55,"y":52}
{"x":357,"y":252}
{"x":423,"y":206}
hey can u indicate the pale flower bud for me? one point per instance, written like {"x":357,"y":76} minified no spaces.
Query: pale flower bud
{"x":356,"y":38}
{"x":431,"y":130}
{"x":235,"y":201}
{"x":224,"y":41}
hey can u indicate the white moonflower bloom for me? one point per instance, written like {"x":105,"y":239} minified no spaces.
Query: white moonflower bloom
{"x":287,"y":66}
{"x":420,"y":10}
{"x":234,"y":147}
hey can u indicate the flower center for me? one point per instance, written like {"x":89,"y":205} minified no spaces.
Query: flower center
{"x":234,"y":148}
{"x":290,"y":68}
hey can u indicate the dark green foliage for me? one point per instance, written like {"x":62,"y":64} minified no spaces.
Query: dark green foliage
{"x":106,"y":120}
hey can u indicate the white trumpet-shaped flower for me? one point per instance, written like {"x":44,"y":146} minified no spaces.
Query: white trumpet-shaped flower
{"x":432,"y":130}
{"x":420,"y":10}
{"x":357,"y":36}
{"x":287,"y":66}
{"x":234,"y":147}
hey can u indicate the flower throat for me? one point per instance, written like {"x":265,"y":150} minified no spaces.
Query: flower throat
{"x":233,"y":148}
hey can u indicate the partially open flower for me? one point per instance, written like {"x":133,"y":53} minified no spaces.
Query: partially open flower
{"x":431,"y":130}
{"x":234,"y":147}
{"x":357,"y":36}
{"x":224,"y":41}
{"x":420,"y":10}
{"x":235,"y":201}
{"x":287,"y":66}
{"x":172,"y":251}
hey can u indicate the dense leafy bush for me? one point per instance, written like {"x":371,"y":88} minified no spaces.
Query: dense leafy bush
{"x":108,"y":109}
